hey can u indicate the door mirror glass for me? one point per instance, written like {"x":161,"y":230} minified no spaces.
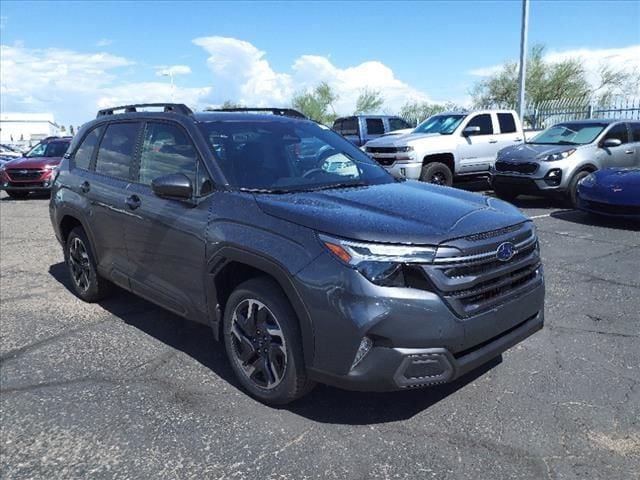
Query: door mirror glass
{"x":174,"y":185}
{"x":475,"y":130}
{"x":611,"y":142}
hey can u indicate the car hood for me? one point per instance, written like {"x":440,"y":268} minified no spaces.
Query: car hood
{"x":529,"y":151}
{"x":34,"y":162}
{"x":623,"y":177}
{"x":404,"y":212}
{"x":399,"y":140}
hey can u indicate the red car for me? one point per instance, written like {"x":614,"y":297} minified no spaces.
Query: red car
{"x":36,"y":170}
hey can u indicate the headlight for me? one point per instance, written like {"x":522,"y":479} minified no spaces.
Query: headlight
{"x":560,"y":156}
{"x":408,"y":148}
{"x":588,"y":181}
{"x":381,"y":264}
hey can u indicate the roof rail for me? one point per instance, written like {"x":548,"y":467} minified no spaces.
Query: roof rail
{"x":283,"y":112}
{"x":167,"y":107}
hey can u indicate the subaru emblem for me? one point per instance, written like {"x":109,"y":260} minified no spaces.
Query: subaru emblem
{"x":24,"y":172}
{"x":505,"y":251}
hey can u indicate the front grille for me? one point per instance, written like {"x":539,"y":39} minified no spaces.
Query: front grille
{"x":382,"y":149}
{"x":613,"y":209}
{"x":471,"y":279}
{"x":523,"y":167}
{"x":24,"y":174}
{"x":385,"y":161}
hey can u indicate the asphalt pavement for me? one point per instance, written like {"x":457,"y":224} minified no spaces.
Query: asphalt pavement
{"x":124,"y":389}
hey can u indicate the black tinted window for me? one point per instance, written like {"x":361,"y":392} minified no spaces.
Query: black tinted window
{"x":347,"y":126}
{"x":166,"y":149}
{"x":115,"y":155}
{"x":397,"y":124}
{"x":507,"y":123}
{"x":484,"y":122}
{"x":375,"y":126}
{"x":82,"y":158}
{"x":635,"y":131}
{"x":618,"y":131}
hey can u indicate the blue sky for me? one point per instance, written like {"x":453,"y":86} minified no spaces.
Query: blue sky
{"x":86,"y":54}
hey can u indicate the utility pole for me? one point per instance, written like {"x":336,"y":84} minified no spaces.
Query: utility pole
{"x":523,"y":57}
{"x":169,"y":74}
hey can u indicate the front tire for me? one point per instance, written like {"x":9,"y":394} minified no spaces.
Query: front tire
{"x":263,"y":342}
{"x":18,"y":194}
{"x":437,"y":173}
{"x":572,"y":190}
{"x":87,"y":284}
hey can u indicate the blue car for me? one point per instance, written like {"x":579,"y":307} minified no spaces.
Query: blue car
{"x":612,"y":191}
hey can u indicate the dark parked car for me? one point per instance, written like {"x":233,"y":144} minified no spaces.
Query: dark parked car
{"x":308,"y":270}
{"x":359,"y":129}
{"x":613,"y":191}
{"x":36,"y":170}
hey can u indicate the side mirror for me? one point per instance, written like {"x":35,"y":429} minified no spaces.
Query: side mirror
{"x":468,"y":131}
{"x":611,"y":142}
{"x":175,"y":185}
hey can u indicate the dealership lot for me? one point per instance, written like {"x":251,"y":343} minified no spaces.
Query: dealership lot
{"x":125,"y":389}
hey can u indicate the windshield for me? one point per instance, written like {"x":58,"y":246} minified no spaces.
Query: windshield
{"x":280,"y":157}
{"x":569,"y":134}
{"x":51,"y":149}
{"x":442,"y":124}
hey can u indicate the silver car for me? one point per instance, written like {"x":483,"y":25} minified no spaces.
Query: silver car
{"x":555,"y":160}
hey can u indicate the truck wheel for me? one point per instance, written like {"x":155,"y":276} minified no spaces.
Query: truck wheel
{"x":437,"y":173}
{"x":572,"y":190}
{"x":87,"y":283}
{"x":263,"y":342}
{"x":507,"y":194}
{"x":18,"y":194}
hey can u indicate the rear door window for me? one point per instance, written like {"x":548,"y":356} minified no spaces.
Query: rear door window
{"x":635,"y":131}
{"x":507,"y":123}
{"x":484,"y":122}
{"x":115,"y":155}
{"x":375,"y":126}
{"x":84,"y":154}
{"x":347,"y":126}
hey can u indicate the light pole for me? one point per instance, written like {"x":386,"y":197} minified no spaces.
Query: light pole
{"x":169,"y":74}
{"x":523,"y":57}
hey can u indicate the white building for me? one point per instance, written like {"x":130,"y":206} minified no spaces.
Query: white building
{"x":27,"y":128}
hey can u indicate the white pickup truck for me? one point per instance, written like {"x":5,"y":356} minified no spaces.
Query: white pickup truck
{"x":448,"y":145}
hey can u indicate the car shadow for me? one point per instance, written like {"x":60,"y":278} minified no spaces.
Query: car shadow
{"x":324,"y":404}
{"x":584,"y":218}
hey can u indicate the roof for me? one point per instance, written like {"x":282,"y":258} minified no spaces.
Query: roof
{"x":241,"y":116}
{"x":597,"y":120}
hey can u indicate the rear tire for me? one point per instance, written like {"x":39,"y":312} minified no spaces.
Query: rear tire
{"x":572,"y":190}
{"x":263,"y":343}
{"x":18,"y":194}
{"x":437,"y":173}
{"x":87,"y":284}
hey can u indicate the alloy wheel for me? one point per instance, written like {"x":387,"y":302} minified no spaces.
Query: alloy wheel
{"x":258,"y":344}
{"x":79,"y":263}
{"x":438,"y":178}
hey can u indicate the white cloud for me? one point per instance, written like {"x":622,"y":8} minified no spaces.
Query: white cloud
{"x":626,"y":60}
{"x":74,"y":85}
{"x":104,"y":42}
{"x":173,"y":70}
{"x":242,"y":73}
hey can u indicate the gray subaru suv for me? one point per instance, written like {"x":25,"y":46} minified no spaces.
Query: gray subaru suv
{"x":308,"y":260}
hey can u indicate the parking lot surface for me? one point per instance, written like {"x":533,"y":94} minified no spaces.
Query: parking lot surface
{"x":124,"y":389}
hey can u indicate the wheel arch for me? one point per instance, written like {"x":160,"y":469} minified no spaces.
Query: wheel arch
{"x":230,"y":267}
{"x":446,"y":158}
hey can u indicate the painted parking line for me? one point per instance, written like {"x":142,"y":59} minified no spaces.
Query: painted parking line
{"x":552,"y":213}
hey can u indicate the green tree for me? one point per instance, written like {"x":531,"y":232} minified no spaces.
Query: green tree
{"x":546,"y":81}
{"x":231,"y":104}
{"x":71,"y":130}
{"x":369,"y":101}
{"x":416,"y":112}
{"x":317,"y":104}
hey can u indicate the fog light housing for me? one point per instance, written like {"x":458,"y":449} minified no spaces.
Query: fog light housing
{"x":553,"y":177}
{"x":365,"y":346}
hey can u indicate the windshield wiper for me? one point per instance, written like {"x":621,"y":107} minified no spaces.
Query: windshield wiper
{"x":567,"y":142}
{"x":336,"y":185}
{"x":265,"y":190}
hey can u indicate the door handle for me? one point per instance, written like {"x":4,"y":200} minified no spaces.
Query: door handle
{"x":629,"y":152}
{"x":493,"y":141}
{"x":133,"y":202}
{"x":85,"y":187}
{"x":517,"y":140}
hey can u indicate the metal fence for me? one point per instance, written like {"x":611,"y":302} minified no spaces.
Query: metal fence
{"x":550,"y":112}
